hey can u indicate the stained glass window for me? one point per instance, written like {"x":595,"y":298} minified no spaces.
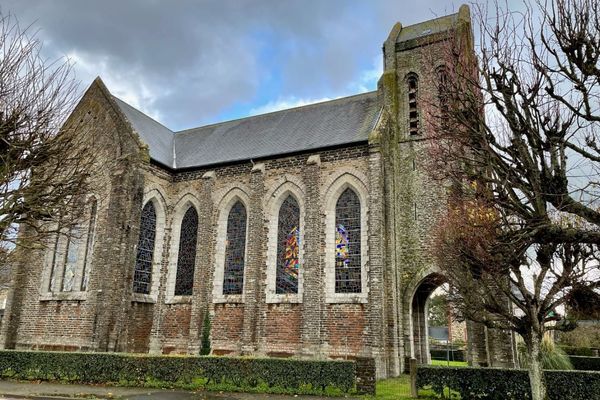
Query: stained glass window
{"x":87,"y":259}
{"x":235,"y":249}
{"x":413,"y":114}
{"x":71,"y":259}
{"x":186,"y":257}
{"x":347,"y":243}
{"x":142,"y":276}
{"x":288,"y":247}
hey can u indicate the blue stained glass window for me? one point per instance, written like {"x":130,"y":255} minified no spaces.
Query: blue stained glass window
{"x":348,"y":243}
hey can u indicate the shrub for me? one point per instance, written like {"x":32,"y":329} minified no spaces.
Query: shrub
{"x":585,"y":363}
{"x":507,"y":384}
{"x":205,"y":347}
{"x":551,"y":356}
{"x":212,"y":373}
{"x":582,"y":336}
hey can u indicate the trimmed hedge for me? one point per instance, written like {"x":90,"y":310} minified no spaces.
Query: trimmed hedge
{"x":585,"y":363}
{"x":578,"y":351}
{"x":217,"y":373}
{"x":507,"y":384}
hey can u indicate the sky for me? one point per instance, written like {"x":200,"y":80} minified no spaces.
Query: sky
{"x":191,"y":63}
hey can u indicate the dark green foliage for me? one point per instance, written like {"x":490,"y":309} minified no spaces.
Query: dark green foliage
{"x":219,"y":373}
{"x":508,"y":384}
{"x":578,"y":351}
{"x":585,"y":363}
{"x":205,"y":345}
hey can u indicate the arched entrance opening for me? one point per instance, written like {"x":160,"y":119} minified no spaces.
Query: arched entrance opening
{"x":420,"y":327}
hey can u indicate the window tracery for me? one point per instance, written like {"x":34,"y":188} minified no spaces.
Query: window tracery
{"x":142,"y":277}
{"x":186,"y":257}
{"x":288,"y":247}
{"x":348,"y":243}
{"x":235,"y":250}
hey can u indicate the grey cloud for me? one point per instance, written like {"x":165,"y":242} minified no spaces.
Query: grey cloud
{"x":190,"y":60}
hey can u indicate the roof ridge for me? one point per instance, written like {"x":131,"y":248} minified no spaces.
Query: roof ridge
{"x":339,"y":99}
{"x":143,"y":113}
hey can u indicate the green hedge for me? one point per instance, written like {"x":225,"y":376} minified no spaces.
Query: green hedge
{"x":507,"y":384}
{"x":578,"y":351}
{"x":213,"y":373}
{"x":585,"y":363}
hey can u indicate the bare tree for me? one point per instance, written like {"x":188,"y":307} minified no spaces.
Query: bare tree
{"x":44,"y":168}
{"x":514,"y":133}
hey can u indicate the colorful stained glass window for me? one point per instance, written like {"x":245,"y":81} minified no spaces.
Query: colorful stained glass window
{"x":186,"y":257}
{"x":288,"y":247}
{"x":142,"y":276}
{"x":235,"y":250}
{"x":347,"y":243}
{"x":87,"y":259}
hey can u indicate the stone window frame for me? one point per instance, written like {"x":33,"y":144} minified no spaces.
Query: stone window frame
{"x":334,"y":190}
{"x":185,"y":202}
{"x":225,"y":205}
{"x":157,"y":198}
{"x":274,"y":200}
{"x":54,"y":259}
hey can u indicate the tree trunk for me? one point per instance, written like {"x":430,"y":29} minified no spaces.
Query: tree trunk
{"x":536,"y":377}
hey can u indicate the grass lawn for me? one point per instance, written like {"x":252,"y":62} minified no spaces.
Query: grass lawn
{"x":397,"y":389}
{"x":452,"y":363}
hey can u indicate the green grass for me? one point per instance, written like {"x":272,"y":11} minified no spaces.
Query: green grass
{"x":452,"y":363}
{"x":397,"y":389}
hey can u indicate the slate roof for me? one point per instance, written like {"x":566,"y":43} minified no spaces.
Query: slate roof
{"x":426,"y":28}
{"x":332,"y":123}
{"x":158,"y":137}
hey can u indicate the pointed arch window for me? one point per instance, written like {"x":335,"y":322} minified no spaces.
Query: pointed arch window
{"x":186,"y":257}
{"x":443,"y":96}
{"x":235,"y":250}
{"x":413,"y":112}
{"x":288,"y":247}
{"x":142,"y":276}
{"x":71,"y":259}
{"x":348,"y":243}
{"x":87,"y":258}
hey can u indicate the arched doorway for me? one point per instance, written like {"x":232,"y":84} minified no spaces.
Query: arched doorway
{"x":420,"y":328}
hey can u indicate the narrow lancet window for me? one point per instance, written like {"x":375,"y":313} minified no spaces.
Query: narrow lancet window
{"x":87,"y":258}
{"x":71,"y":259}
{"x":235,"y":250}
{"x":186,"y":257}
{"x":443,"y":95}
{"x":288,"y":247}
{"x":348,"y":243}
{"x":142,"y":277}
{"x":413,"y":113}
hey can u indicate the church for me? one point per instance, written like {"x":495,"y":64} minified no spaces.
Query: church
{"x":298,"y":233}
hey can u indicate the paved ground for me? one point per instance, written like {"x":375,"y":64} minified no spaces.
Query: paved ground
{"x":47,"y":391}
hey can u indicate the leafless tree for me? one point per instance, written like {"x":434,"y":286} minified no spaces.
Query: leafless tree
{"x":44,"y":168}
{"x":514,"y":134}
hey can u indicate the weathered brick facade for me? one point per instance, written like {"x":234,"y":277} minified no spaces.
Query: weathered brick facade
{"x":399,"y":206}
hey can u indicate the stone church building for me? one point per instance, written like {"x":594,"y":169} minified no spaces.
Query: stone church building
{"x":300,"y":233}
